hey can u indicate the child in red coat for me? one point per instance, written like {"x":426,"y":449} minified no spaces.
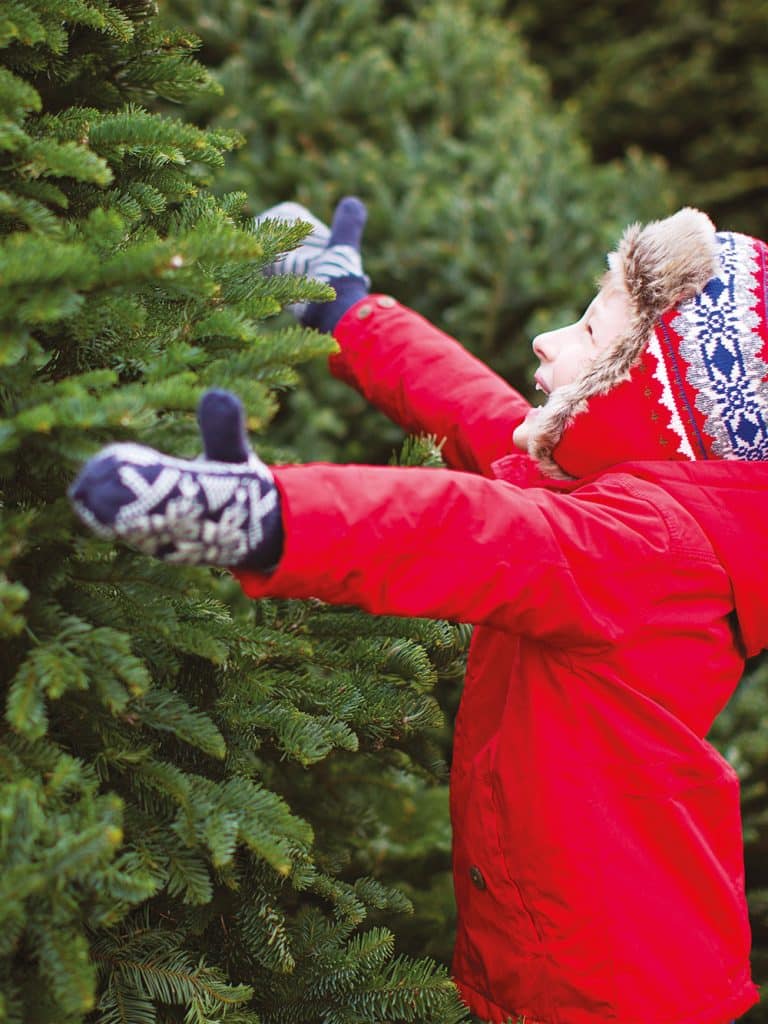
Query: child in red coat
{"x":609,"y":547}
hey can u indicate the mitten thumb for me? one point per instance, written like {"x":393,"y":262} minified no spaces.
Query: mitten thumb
{"x":201,"y":512}
{"x":348,"y":223}
{"x":341,"y":266}
{"x":221,"y":419}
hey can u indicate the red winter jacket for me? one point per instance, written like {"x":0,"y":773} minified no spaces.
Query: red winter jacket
{"x":597,"y":838}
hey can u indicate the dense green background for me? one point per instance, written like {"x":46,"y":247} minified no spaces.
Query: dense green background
{"x":206,"y":803}
{"x":687,"y":81}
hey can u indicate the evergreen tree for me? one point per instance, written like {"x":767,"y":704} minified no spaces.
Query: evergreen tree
{"x":191,"y":785}
{"x":686,"y":81}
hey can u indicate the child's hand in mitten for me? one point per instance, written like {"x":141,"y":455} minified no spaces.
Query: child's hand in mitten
{"x":340,"y":265}
{"x":331,"y":255}
{"x":298,"y":260}
{"x":222,"y":509}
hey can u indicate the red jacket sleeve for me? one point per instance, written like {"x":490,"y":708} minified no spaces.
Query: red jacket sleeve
{"x":427,"y":382}
{"x":572,"y":568}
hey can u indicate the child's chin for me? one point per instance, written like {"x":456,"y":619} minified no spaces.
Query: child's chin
{"x":522,"y":433}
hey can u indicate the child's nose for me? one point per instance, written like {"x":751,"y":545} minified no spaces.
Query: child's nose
{"x":545,"y":346}
{"x":549,"y":345}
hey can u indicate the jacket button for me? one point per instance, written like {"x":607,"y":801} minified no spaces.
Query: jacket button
{"x":365,"y":311}
{"x":477,"y":877}
{"x":386,"y":301}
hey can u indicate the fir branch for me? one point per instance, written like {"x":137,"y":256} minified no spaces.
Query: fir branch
{"x":64,"y":961}
{"x":167,"y":711}
{"x":45,"y":158}
{"x":410,"y":991}
{"x":263,"y":928}
{"x":19,"y":23}
{"x":189,"y":877}
{"x":17,"y":97}
{"x":154,"y":966}
{"x":13,"y":597}
{"x":120,"y":1004}
{"x":49,"y":668}
{"x":18,"y":210}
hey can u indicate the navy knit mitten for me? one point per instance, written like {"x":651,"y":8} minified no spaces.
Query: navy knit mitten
{"x":222,"y":509}
{"x":340,"y":265}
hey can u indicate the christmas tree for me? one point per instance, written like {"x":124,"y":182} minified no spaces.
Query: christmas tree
{"x":193,"y":786}
{"x":675,"y":79}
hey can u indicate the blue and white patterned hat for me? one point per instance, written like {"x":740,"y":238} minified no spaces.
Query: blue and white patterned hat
{"x":711,"y":357}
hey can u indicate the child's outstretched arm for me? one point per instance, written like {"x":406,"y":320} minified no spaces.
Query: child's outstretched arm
{"x":417,"y":375}
{"x":427,"y":382}
{"x":424,"y":542}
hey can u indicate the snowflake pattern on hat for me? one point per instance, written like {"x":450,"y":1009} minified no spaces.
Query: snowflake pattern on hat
{"x":718,"y":364}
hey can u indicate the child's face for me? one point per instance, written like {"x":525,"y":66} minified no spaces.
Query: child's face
{"x":565,"y":353}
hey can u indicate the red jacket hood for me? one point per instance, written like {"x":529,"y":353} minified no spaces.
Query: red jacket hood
{"x":728,"y":499}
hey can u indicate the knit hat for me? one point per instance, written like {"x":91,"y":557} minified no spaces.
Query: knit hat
{"x":687,"y":380}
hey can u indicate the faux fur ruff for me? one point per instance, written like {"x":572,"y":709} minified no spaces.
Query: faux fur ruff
{"x":659,"y":266}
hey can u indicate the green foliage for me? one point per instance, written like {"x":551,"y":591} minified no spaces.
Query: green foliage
{"x":685,"y":81}
{"x":188,"y":781}
{"x":148,"y":968}
{"x":486,"y":212}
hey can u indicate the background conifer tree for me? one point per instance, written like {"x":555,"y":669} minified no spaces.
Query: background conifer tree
{"x":187,"y":780}
{"x":686,"y":81}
